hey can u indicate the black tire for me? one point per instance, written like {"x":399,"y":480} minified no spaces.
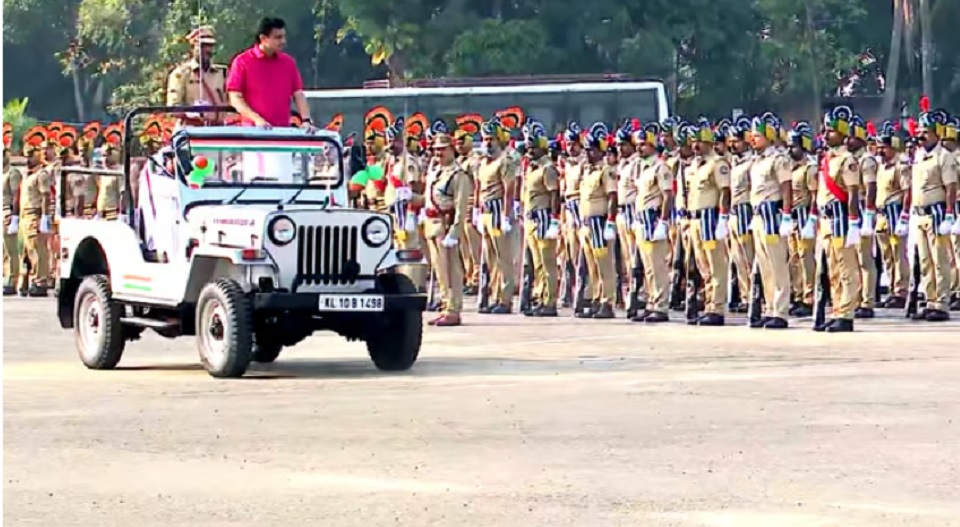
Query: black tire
{"x":396,"y":346}
{"x":94,"y":298}
{"x":265,"y":352}
{"x":224,"y":329}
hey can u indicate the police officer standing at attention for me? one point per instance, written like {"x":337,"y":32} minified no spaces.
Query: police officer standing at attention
{"x":403,"y":197}
{"x":11,"y":216}
{"x":893,"y":213}
{"x":198,"y":81}
{"x":495,"y":181}
{"x":838,"y":200}
{"x":934,"y":196}
{"x":708,"y":206}
{"x":771,"y":194}
{"x":35,"y":222}
{"x":541,"y":204}
{"x":446,"y":210}
{"x":598,"y":211}
{"x":856,"y":144}
{"x":802,"y":241}
{"x":741,"y":212}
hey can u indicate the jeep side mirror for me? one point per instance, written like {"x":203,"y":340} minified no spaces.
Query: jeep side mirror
{"x":357,"y":159}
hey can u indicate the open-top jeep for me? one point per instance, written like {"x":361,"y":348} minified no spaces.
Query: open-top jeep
{"x":242,"y":237}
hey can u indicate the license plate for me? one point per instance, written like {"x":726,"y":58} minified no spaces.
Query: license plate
{"x":351,"y":303}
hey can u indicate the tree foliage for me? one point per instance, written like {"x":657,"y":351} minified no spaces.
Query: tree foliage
{"x":89,"y":57}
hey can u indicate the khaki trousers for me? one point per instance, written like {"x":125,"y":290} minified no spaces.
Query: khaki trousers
{"x":600,"y":268}
{"x":544,"y":262}
{"x":844,"y":272}
{"x":935,"y":265}
{"x":742,"y":252}
{"x":498,"y":254}
{"x":11,"y":255}
{"x":803,"y":267}
{"x":449,"y":271}
{"x":714,"y":265}
{"x":34,"y":250}
{"x":868,"y":272}
{"x":895,"y":262}
{"x":656,"y":273}
{"x":470,"y":252}
{"x":774,"y":270}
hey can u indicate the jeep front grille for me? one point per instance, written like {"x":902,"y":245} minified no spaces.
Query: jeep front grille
{"x":327,"y":255}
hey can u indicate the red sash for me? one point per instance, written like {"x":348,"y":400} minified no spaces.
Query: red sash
{"x":832,"y":187}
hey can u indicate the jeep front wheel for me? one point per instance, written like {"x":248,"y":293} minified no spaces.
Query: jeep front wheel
{"x":224,"y":332}
{"x":96,"y":324}
{"x":396,"y":346}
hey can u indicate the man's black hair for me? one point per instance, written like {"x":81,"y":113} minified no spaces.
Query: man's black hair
{"x":266,"y":26}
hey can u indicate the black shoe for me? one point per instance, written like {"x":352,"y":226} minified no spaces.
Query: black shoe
{"x":471,"y":290}
{"x":755,"y":324}
{"x":895,"y":302}
{"x":639,"y":316}
{"x":680,"y":306}
{"x":655,"y":317}
{"x":546,"y":311}
{"x":937,"y":315}
{"x":37,"y":291}
{"x":802,"y":310}
{"x":776,"y":323}
{"x":840,"y":325}
{"x":793,"y":310}
{"x":954,"y":306}
{"x":484,"y":310}
{"x":565,"y":304}
{"x":864,"y":312}
{"x":711,"y":319}
{"x":22,"y":292}
{"x":605,"y":311}
{"x":740,"y":308}
{"x":920,"y":315}
{"x":9,"y":290}
{"x":500,"y":309}
{"x":586,"y":313}
{"x":823,"y":327}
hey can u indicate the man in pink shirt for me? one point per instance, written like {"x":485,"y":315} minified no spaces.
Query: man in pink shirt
{"x":263,"y":79}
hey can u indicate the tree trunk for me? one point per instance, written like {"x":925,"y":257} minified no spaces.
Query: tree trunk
{"x":78,"y":92}
{"x":926,"y":48}
{"x":893,"y":61}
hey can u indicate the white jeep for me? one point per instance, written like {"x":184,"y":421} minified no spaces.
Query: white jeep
{"x":243,"y":238}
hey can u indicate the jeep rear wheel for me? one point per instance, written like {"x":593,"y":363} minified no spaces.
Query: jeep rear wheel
{"x":96,"y":324}
{"x":224,"y":332}
{"x":396,"y":346}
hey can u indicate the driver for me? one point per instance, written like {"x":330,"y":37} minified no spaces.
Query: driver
{"x":159,"y":204}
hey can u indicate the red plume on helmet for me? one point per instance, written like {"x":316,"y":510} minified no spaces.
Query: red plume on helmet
{"x":871,"y":129}
{"x":924,"y":104}
{"x":912,"y":127}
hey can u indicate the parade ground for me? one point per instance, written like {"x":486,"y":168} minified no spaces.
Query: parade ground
{"x":505,"y":421}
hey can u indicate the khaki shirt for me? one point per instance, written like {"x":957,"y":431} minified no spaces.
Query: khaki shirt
{"x":844,"y":170}
{"x":770,"y":170}
{"x":893,"y":180}
{"x":81,"y":185}
{"x":708,"y":174}
{"x":471,"y":164}
{"x":595,"y":189}
{"x":11,"y":186}
{"x":540,"y":183}
{"x":109,"y":189}
{"x":35,"y":192}
{"x":448,"y":192}
{"x":868,"y":167}
{"x":572,"y":175}
{"x":804,"y":177}
{"x":184,"y":86}
{"x":406,"y":169}
{"x":740,"y":179}
{"x":627,"y":170}
{"x":932,"y":172}
{"x":495,"y":174}
{"x":654,"y":180}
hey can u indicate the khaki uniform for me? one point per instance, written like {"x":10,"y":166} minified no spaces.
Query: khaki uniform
{"x":893,"y":181}
{"x":186,"y":86}
{"x":627,"y":171}
{"x":770,"y":170}
{"x":11,"y":253}
{"x":109,"y":190}
{"x":842,"y":262}
{"x":572,"y":175}
{"x":405,"y":169}
{"x":541,"y":183}
{"x":494,"y":176}
{"x":374,"y":195}
{"x":597,"y":184}
{"x":866,"y":254}
{"x":931,"y":174}
{"x":654,"y":181}
{"x":471,"y":245}
{"x":447,"y":208}
{"x":34,"y":204}
{"x":955,"y":282}
{"x":742,"y":249}
{"x":82,"y":190}
{"x":803,"y":262}
{"x":707,"y":176}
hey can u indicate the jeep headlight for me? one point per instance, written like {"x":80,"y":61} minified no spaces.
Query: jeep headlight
{"x":282,"y":230}
{"x":375,"y":232}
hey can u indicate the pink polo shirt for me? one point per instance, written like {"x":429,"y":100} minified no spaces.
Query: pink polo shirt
{"x":267,"y":83}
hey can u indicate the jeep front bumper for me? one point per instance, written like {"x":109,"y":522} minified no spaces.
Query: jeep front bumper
{"x":275,"y":301}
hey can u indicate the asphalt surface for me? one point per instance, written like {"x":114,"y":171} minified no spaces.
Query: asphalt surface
{"x":505,"y":421}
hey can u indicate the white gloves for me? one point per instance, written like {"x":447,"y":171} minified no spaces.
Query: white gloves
{"x":868,"y":223}
{"x":723,"y":228}
{"x":853,"y":235}
{"x":947,"y":225}
{"x":448,"y":241}
{"x":44,"y":224}
{"x":786,"y":225}
{"x":660,"y":231}
{"x":423,"y":216}
{"x":404,"y":194}
{"x":956,"y":228}
{"x":14,"y":224}
{"x":903,"y":225}
{"x":475,"y":217}
{"x":610,"y":230}
{"x":410,"y":224}
{"x":553,"y":230}
{"x":809,"y":229}
{"x":505,"y":226}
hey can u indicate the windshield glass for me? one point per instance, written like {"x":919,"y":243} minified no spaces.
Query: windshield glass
{"x":223,"y":162}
